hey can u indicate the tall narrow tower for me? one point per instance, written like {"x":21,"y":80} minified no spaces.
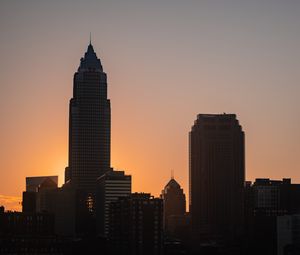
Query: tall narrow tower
{"x":174,"y":207}
{"x":217,"y":175}
{"x":89,"y":124}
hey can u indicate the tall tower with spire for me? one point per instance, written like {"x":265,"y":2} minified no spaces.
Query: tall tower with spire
{"x":89,"y":124}
{"x":174,"y":206}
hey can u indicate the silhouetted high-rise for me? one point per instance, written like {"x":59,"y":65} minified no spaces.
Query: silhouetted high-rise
{"x":136,"y":225}
{"x":174,"y":206}
{"x":89,"y":124}
{"x":174,"y":199}
{"x":217,"y":173}
{"x":110,"y":186}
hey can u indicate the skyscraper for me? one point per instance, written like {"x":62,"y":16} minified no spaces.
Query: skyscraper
{"x":89,"y":124}
{"x":174,"y":205}
{"x":217,"y":173}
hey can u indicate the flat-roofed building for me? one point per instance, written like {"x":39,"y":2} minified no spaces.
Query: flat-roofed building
{"x":136,"y":225}
{"x":110,"y":186}
{"x":217,"y":176}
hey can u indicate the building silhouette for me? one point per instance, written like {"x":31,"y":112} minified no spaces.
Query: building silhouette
{"x":34,"y":183}
{"x":276,"y":196}
{"x":110,"y":186}
{"x":288,"y":234}
{"x":136,"y":225}
{"x":32,"y":199}
{"x":27,"y":233}
{"x":173,"y":198}
{"x":217,"y":174}
{"x":30,"y":224}
{"x":175,"y":220}
{"x":89,"y":124}
{"x":72,"y":213}
{"x":267,"y":202}
{"x":34,"y":233}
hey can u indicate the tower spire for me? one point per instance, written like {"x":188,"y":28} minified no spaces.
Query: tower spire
{"x":172,"y":174}
{"x":90,"y":38}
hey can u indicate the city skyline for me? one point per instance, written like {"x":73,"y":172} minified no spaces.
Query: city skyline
{"x":153,"y":106}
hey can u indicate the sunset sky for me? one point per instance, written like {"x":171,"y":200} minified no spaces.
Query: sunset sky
{"x":166,"y":61}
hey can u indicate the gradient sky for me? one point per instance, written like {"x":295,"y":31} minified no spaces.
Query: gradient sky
{"x":166,"y":61}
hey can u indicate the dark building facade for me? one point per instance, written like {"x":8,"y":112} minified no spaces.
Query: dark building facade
{"x":288,"y":234}
{"x":32,"y":200}
{"x":276,"y":196}
{"x":110,"y":186}
{"x":27,"y":233}
{"x":136,"y":225}
{"x":34,"y":233}
{"x":174,"y":208}
{"x":30,"y":224}
{"x":70,"y":207}
{"x":89,"y":124}
{"x":29,"y":202}
{"x":217,"y":175}
{"x":74,"y":216}
{"x":266,"y":201}
{"x":34,"y":183}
